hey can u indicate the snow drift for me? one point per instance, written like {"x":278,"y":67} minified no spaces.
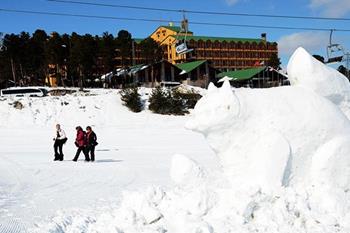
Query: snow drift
{"x":93,"y":108}
{"x":285,"y":158}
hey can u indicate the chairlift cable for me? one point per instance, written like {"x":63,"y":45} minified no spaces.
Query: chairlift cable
{"x":166,"y":21}
{"x":200,"y":12}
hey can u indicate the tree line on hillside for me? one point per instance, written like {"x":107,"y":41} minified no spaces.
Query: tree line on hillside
{"x":28,"y":59}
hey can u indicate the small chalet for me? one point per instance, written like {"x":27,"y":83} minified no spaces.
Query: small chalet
{"x":197,"y":73}
{"x":259,"y":77}
{"x":155,"y":74}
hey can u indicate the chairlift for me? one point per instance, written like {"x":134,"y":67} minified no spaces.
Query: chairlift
{"x":181,"y":45}
{"x":335,"y":52}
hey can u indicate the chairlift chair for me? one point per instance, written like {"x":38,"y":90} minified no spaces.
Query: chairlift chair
{"x":181,"y":45}
{"x":335,"y":52}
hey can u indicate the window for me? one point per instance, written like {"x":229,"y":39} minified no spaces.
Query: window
{"x":254,"y":45}
{"x":216,"y":45}
{"x":208,"y":44}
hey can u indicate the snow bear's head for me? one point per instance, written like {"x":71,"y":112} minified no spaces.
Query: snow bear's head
{"x":216,"y":110}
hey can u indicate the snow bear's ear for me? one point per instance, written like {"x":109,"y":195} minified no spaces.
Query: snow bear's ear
{"x":226,"y":88}
{"x":212,"y":87}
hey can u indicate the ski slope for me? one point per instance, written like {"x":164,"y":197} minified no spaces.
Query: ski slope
{"x":134,"y":152}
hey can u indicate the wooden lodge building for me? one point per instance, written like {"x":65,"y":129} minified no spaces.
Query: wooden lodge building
{"x":222,"y":53}
{"x":209,"y":56}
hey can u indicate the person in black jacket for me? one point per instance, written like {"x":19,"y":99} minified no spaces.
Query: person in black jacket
{"x":91,"y":143}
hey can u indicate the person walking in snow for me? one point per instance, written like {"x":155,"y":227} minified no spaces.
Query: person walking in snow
{"x":91,"y":143}
{"x":81,"y":142}
{"x":59,"y":139}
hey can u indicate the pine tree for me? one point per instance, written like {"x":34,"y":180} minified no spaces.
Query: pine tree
{"x":38,"y":59}
{"x":151,"y":50}
{"x":56,"y":54}
{"x":107,"y":47}
{"x":165,"y":101}
{"x":132,"y":99}
{"x":12,"y":52}
{"x":124,"y":46}
{"x":274,"y":62}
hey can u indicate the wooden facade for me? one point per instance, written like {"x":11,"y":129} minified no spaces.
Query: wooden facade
{"x":156,"y":74}
{"x":198,"y":73}
{"x":232,"y":55}
{"x":223,"y":53}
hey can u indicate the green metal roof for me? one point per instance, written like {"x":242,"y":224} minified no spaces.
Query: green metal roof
{"x":241,"y":75}
{"x":136,"y":66}
{"x":220,"y":39}
{"x":138,"y":40}
{"x":189,"y":66}
{"x":174,"y":28}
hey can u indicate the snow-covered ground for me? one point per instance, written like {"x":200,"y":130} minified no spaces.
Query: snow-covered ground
{"x":273,"y":161}
{"x":134,"y":152}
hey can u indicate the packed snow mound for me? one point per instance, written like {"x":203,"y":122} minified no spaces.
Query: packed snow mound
{"x":209,"y":205}
{"x":98,"y":107}
{"x":270,"y":137}
{"x":306,"y":71}
{"x":184,"y":171}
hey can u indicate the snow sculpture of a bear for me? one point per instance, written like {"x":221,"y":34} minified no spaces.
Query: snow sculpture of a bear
{"x":275,"y":137}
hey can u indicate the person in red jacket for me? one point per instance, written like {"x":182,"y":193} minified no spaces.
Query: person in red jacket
{"x":81,"y":143}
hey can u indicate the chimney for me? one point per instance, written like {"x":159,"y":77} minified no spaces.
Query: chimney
{"x":263,"y":36}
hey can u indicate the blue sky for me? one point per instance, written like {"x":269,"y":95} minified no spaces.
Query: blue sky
{"x":288,"y":40}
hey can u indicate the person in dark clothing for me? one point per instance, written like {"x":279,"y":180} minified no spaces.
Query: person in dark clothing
{"x":91,"y":143}
{"x":59,"y":139}
{"x":81,"y":143}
